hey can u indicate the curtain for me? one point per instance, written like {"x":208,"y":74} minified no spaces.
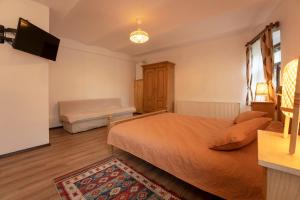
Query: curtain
{"x":267,"y":55}
{"x":249,"y":96}
{"x":257,"y":69}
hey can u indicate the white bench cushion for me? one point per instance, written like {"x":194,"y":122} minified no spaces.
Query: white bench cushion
{"x":76,"y":117}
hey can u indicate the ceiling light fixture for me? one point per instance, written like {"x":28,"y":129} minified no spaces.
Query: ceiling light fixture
{"x":139,"y":36}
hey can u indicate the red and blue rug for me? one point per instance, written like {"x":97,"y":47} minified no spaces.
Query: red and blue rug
{"x":110,"y":179}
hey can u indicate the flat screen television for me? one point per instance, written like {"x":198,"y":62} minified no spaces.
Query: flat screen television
{"x":32,"y":39}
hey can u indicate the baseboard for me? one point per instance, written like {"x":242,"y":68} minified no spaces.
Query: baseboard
{"x":56,"y":127}
{"x":24,"y":150}
{"x":54,"y":123}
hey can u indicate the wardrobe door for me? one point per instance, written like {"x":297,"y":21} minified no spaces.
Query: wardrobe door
{"x":161,"y":88}
{"x":149,"y":89}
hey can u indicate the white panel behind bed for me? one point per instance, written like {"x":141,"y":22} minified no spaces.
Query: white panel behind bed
{"x":220,"y":110}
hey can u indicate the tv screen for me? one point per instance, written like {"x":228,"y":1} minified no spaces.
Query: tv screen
{"x":32,"y":39}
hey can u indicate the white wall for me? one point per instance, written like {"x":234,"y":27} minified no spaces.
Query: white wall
{"x":211,"y":70}
{"x":86,"y":72}
{"x":288,"y":13}
{"x":23,"y":83}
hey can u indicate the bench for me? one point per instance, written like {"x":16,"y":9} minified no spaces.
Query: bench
{"x":83,"y":115}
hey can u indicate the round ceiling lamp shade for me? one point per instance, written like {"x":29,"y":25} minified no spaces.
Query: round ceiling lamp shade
{"x":289,"y":87}
{"x":139,"y":36}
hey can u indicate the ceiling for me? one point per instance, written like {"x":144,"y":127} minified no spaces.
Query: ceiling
{"x":108,"y":23}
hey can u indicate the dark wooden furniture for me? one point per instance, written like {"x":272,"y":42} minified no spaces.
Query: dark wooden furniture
{"x":268,"y":107}
{"x":158,"y":92}
{"x":138,"y":95}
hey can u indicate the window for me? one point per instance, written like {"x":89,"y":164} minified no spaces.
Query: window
{"x":257,"y":68}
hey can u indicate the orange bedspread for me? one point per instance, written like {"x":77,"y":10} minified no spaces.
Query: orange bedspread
{"x":179,"y":145}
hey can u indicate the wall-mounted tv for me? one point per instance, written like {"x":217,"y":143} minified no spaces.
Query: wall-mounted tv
{"x":32,"y":39}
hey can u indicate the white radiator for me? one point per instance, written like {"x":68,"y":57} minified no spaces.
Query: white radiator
{"x":219,"y":110}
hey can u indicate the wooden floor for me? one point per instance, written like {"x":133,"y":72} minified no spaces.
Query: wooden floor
{"x":30,"y":175}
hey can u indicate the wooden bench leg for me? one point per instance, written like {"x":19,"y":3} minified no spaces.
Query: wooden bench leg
{"x":112,"y":149}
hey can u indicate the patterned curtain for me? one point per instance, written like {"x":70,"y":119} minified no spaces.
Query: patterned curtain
{"x":249,"y":96}
{"x":268,"y":60}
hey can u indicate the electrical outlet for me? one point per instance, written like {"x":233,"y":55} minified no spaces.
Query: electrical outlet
{"x":1,"y":34}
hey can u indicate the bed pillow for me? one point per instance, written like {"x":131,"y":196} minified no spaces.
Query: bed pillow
{"x":240,"y":135}
{"x":249,"y":115}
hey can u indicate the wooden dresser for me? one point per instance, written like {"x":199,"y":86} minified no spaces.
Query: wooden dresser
{"x":158,"y":87}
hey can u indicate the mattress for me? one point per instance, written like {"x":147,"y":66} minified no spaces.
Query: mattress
{"x":179,"y":144}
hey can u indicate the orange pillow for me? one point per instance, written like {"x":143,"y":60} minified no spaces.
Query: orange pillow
{"x":240,"y":135}
{"x":249,"y":115}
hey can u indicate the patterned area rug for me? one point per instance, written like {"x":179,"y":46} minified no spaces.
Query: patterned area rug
{"x":109,"y":179}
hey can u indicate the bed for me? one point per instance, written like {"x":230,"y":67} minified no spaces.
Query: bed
{"x":178,"y":144}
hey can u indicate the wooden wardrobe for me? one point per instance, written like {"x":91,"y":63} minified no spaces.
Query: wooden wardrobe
{"x":158,"y":87}
{"x":138,"y":95}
